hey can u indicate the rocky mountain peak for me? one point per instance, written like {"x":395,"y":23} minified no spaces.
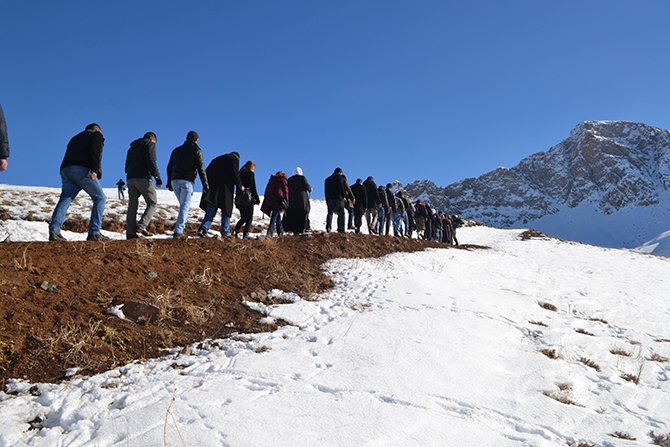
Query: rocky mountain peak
{"x":608,"y":165}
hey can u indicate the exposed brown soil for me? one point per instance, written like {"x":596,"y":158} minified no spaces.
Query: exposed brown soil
{"x":54,"y":295}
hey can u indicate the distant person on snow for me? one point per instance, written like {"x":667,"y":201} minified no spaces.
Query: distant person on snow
{"x":4,"y":141}
{"x":185,"y":161}
{"x":81,"y":169}
{"x":121,"y":185}
{"x":140,"y":167}
{"x":223,"y":175}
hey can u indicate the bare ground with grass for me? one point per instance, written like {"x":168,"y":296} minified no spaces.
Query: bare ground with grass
{"x":54,"y":295}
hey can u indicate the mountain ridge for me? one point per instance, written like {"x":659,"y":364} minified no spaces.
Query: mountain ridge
{"x":607,"y":174}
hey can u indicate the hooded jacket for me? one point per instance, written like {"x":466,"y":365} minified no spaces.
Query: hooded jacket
{"x":141,"y":160}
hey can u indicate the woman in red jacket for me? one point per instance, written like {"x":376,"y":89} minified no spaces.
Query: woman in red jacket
{"x":275,"y":201}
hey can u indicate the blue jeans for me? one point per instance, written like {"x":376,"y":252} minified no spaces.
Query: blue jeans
{"x":380,"y":220}
{"x":183,"y":189}
{"x":332,"y":206}
{"x":210,"y":213}
{"x":397,"y":224}
{"x":275,"y":219}
{"x":75,"y":178}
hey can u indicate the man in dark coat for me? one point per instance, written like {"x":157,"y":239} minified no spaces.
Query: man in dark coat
{"x":391,"y":199}
{"x":4,"y":141}
{"x":223,"y":175}
{"x":384,"y":209}
{"x":140,"y":167}
{"x":372,"y":207}
{"x":335,"y":195}
{"x":79,"y":170}
{"x":185,"y":160}
{"x":361,"y":196}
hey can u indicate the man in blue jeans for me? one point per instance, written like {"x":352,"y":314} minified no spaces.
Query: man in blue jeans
{"x":185,"y":161}
{"x":81,"y":169}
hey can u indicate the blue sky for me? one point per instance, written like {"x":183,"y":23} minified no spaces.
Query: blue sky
{"x":400,"y":90}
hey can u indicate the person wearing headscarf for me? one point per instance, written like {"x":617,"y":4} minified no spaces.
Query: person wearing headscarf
{"x":297,"y":214}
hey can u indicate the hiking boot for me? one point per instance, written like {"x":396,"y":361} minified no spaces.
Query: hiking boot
{"x":56,"y":237}
{"x":144,"y":232}
{"x":201,"y":232}
{"x":97,"y":237}
{"x":132,"y":236}
{"x":179,"y":236}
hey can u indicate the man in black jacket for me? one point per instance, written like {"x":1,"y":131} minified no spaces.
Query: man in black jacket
{"x":335,"y":195}
{"x":223,"y":175}
{"x":79,"y":170}
{"x":185,"y":160}
{"x":140,"y":167}
{"x":4,"y":142}
{"x":372,"y":207}
{"x":391,"y":199}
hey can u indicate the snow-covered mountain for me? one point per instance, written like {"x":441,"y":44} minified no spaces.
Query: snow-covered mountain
{"x":606,"y":184}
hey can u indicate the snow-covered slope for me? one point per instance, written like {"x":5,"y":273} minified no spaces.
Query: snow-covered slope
{"x":606,"y":184}
{"x":445,"y":347}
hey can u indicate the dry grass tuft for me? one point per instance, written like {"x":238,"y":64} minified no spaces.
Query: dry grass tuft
{"x":562,"y":395}
{"x":621,"y":352}
{"x":600,"y":320}
{"x":538,"y":323}
{"x":583,"y":331}
{"x":548,"y":306}
{"x":69,"y":343}
{"x":551,"y":353}
{"x":590,"y":363}
{"x":623,"y":435}
{"x":662,"y":440}
{"x":659,"y":359}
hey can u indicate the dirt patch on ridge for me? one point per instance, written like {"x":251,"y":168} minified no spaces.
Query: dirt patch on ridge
{"x":54,"y":295}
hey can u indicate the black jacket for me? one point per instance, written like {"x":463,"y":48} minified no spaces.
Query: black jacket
{"x":4,"y":140}
{"x":361,"y":195}
{"x":223,"y":174}
{"x":391,"y":199}
{"x":185,"y":160}
{"x":334,"y":187}
{"x":372,"y":193}
{"x":298,"y":189}
{"x":248,"y":179}
{"x":85,"y":149}
{"x":383,"y":199}
{"x":141,"y":160}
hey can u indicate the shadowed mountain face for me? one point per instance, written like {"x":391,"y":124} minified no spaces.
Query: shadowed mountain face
{"x":603,"y":167}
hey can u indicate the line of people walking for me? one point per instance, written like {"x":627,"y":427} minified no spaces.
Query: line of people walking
{"x":224,"y":186}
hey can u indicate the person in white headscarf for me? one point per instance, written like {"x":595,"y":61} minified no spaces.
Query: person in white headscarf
{"x":297,"y":214}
